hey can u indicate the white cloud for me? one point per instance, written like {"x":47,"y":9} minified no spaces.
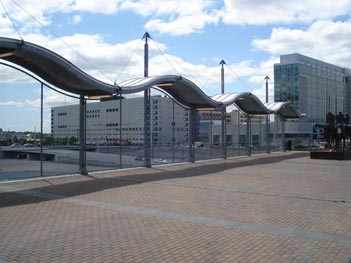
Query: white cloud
{"x":109,"y":62}
{"x":97,"y":6}
{"x":182,"y":25}
{"x":76,"y":19}
{"x":31,"y":15}
{"x":175,"y":17}
{"x":10,"y":75}
{"x":257,"y":12}
{"x":50,"y":99}
{"x":325,"y":40}
{"x":11,"y":103}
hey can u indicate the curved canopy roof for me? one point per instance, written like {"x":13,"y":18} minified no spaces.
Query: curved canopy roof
{"x":53,"y":68}
{"x":190,"y":95}
{"x":61,"y":73}
{"x":284,"y":109}
{"x":246,"y":101}
{"x":181,"y":89}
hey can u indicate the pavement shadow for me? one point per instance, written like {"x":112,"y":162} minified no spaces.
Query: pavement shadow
{"x":96,"y":184}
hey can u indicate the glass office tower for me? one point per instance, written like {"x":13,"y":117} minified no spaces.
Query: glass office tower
{"x":314,"y":87}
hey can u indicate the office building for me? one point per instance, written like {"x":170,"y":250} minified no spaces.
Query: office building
{"x":314,"y":87}
{"x":105,"y":127}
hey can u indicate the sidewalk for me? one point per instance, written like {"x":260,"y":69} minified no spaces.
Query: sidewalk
{"x":271,"y":208}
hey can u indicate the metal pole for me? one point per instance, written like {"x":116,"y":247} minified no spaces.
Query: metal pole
{"x":268,"y":144}
{"x":239,"y":143}
{"x":268,"y":131}
{"x":82,"y":136}
{"x":267,"y":78}
{"x":283,"y":134}
{"x":173,"y":131}
{"x":224,"y":134}
{"x":222,"y":63}
{"x":223,"y":111}
{"x":191,"y":135}
{"x":248,"y":135}
{"x":41,"y":127}
{"x":211,"y":135}
{"x":120,"y":131}
{"x":147,"y":161}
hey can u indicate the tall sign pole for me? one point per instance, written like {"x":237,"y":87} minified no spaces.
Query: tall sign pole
{"x":147,"y":161}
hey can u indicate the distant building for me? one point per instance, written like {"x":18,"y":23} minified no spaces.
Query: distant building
{"x":210,"y":126}
{"x":104,"y":125}
{"x":236,"y":116}
{"x":314,"y":87}
{"x":231,"y":117}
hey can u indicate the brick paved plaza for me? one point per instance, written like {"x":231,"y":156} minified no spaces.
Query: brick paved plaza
{"x":280,"y":207}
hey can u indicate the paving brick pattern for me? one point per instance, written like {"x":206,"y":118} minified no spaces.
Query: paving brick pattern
{"x":275,"y":208}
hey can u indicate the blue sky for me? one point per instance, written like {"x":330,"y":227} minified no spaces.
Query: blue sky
{"x":188,"y":38}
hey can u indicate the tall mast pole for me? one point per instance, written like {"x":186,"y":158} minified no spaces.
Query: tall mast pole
{"x":268,"y":150}
{"x":224,"y":124}
{"x":267,"y":78}
{"x":222,"y":63}
{"x":147,"y":161}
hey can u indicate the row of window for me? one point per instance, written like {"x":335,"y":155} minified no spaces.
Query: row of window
{"x":93,"y":116}
{"x":93,"y":111}
{"x":62,"y":114}
{"x":112,"y":110}
{"x":111,"y":124}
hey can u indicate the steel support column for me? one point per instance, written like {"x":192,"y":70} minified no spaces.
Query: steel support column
{"x":283,"y":134}
{"x":224,"y":133}
{"x":192,"y":135}
{"x":268,"y":131}
{"x":223,"y":115}
{"x":120,"y":131}
{"x":82,"y":136}
{"x":147,"y":137}
{"x":210,"y":139}
{"x":248,"y":135}
{"x":41,"y":127}
{"x":268,"y":145}
{"x":173,"y":130}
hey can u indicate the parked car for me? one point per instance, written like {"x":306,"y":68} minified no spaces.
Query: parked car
{"x":28,"y":145}
{"x":15,"y":145}
{"x":159,"y":160}
{"x":199,"y":144}
{"x":139,"y":158}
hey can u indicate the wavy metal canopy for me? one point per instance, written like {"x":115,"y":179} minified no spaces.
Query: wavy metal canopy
{"x":52,"y":68}
{"x":284,"y":109}
{"x":246,"y":101}
{"x":181,"y":89}
{"x":61,"y":73}
{"x":190,"y":95}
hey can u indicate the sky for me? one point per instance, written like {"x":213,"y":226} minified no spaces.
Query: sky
{"x":188,"y":38}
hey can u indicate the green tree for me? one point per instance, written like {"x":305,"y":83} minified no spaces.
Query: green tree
{"x":73,"y":140}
